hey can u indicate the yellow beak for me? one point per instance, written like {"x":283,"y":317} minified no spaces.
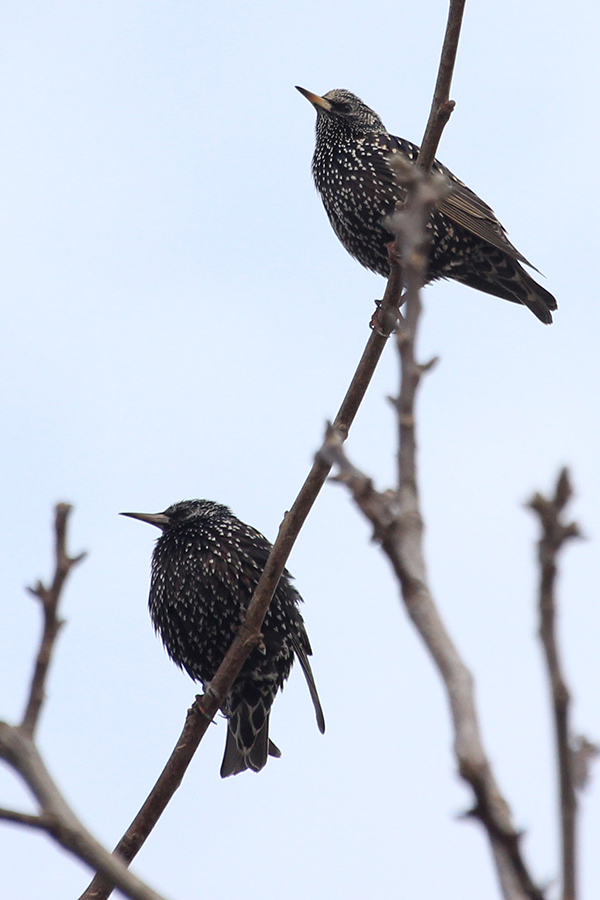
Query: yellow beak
{"x":315,"y":99}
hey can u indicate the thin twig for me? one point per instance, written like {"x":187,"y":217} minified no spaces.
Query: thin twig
{"x":20,"y":818}
{"x":442,"y":106}
{"x":398,"y":527}
{"x":205,"y":708}
{"x":555,"y":532}
{"x":49,"y":598}
{"x":397,"y":518}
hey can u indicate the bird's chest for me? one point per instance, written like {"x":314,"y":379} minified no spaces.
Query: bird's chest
{"x":354,"y":182}
{"x":196,"y":601}
{"x":358,"y":191}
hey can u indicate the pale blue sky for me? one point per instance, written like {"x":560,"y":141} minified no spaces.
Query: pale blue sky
{"x":179,"y":321}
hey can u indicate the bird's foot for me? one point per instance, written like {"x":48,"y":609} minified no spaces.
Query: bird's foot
{"x":381,"y":322}
{"x":393,"y":253}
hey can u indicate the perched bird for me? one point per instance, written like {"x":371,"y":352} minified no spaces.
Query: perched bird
{"x":358,"y":188}
{"x":205,"y":567}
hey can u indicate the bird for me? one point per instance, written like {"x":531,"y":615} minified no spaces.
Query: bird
{"x":205,"y":567}
{"x":352,"y":173}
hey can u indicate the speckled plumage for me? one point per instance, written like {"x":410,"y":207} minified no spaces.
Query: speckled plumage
{"x":205,"y":567}
{"x":358,"y":189}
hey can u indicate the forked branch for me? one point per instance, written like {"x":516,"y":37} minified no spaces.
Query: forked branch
{"x":49,"y":598}
{"x":18,"y":749}
{"x":398,"y":525}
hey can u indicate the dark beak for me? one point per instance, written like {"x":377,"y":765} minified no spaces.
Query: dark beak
{"x":319,"y":102}
{"x":158,"y":519}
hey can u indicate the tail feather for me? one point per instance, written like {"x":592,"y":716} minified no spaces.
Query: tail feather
{"x":236,"y":760}
{"x":310,"y":680}
{"x":506,"y":278}
{"x":248,"y":745}
{"x":538,"y":299}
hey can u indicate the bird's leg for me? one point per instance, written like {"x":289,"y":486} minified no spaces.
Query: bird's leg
{"x":197,"y":704}
{"x":393,"y":254}
{"x":377,"y":324}
{"x":381,"y":327}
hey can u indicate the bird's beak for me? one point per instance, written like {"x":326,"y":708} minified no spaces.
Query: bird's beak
{"x":317,"y":101}
{"x":158,"y":519}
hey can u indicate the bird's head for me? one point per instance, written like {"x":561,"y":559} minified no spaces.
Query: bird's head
{"x":180,"y":513}
{"x":341,"y":110}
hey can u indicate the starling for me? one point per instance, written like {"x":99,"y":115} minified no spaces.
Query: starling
{"x":358,"y":188}
{"x":205,"y":567}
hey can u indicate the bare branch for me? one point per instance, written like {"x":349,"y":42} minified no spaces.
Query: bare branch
{"x":19,"y":818}
{"x":408,"y":224}
{"x":442,"y":106}
{"x":398,"y":525}
{"x":156,"y":802}
{"x":205,"y":708}
{"x":208,"y":705}
{"x":49,"y":597}
{"x":555,"y":533}
{"x":18,"y":749}
{"x":57,"y":818}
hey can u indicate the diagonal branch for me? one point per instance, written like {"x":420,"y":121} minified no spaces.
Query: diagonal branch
{"x":398,"y":527}
{"x":49,"y":598}
{"x":57,"y":818}
{"x":201,"y":713}
{"x":555,"y":533}
{"x":205,"y":708}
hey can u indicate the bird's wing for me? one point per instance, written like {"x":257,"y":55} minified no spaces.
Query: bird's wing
{"x":465,"y":208}
{"x":259,"y":549}
{"x":314,"y":696}
{"x":468,"y":210}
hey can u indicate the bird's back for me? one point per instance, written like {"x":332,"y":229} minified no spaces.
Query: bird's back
{"x":359,"y":189}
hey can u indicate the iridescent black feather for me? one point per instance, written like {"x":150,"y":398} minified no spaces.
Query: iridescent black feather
{"x":358,"y":188}
{"x":205,"y":567}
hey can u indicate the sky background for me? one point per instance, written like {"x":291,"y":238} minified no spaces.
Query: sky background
{"x":179,"y":321}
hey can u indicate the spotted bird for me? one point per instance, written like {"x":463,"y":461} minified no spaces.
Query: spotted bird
{"x":205,"y":567}
{"x":359,"y":190}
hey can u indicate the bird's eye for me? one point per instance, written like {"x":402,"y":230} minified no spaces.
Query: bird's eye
{"x":341,"y":107}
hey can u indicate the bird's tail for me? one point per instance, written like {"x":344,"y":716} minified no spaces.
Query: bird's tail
{"x":236,"y":760}
{"x":536,"y":298}
{"x":501,"y":275}
{"x":248,"y":745}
